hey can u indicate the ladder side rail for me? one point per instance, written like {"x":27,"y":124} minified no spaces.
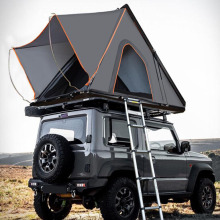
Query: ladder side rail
{"x":135,"y":164}
{"x":151,"y":162}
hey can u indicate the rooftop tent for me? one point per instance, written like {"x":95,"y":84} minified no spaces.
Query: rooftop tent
{"x":105,"y":52}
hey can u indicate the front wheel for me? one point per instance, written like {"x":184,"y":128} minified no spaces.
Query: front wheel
{"x":120,"y":200}
{"x":203,"y":199}
{"x":51,"y":207}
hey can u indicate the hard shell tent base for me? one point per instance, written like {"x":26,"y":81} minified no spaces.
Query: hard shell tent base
{"x":99,"y":55}
{"x":94,"y":100}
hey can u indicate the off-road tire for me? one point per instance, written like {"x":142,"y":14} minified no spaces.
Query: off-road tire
{"x":45,"y":212}
{"x":108,"y":200}
{"x":196,"y":199}
{"x":63,"y":163}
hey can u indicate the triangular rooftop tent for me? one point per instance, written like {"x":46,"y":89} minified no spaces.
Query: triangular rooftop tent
{"x":104,"y":52}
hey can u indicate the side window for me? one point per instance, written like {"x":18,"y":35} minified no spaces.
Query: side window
{"x":116,"y":133}
{"x":159,"y":137}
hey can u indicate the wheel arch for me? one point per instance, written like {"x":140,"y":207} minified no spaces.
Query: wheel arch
{"x":123,"y":173}
{"x":111,"y":168}
{"x":198,"y":171}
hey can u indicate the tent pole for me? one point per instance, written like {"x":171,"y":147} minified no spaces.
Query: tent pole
{"x":9,"y":72}
{"x":54,"y":58}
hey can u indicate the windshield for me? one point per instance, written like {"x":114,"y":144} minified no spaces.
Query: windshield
{"x":73,"y":129}
{"x":159,"y":137}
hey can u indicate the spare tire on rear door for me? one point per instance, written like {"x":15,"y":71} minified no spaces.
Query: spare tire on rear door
{"x":52,"y":158}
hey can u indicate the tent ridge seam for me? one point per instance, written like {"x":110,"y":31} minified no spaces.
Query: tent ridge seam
{"x":109,"y":43}
{"x":72,"y":46}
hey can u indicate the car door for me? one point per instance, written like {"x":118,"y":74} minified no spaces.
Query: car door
{"x":117,"y":152}
{"x":170,"y":167}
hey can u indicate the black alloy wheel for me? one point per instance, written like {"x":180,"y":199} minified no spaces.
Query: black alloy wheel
{"x":119,"y":200}
{"x":124,"y":203}
{"x":51,"y":207}
{"x":203,"y":200}
{"x":207,"y":197}
{"x":47,"y":158}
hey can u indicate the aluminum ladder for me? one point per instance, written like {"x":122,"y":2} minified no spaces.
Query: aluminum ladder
{"x":148,"y":151}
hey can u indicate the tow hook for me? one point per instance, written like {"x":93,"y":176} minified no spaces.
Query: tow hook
{"x":63,"y":204}
{"x":35,"y":192}
{"x":73,"y":193}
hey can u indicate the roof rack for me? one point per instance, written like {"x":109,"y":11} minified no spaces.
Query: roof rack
{"x":94,"y":100}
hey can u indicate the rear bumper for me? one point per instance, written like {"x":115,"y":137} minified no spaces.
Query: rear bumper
{"x":70,"y":186}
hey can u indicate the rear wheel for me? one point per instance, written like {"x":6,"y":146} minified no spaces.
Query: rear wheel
{"x":120,"y":200}
{"x":51,"y":206}
{"x":203,"y":199}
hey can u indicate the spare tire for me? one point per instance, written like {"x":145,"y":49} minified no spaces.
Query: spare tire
{"x":52,"y":158}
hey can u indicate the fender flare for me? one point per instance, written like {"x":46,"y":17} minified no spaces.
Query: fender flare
{"x":194,"y":173}
{"x":109,"y":168}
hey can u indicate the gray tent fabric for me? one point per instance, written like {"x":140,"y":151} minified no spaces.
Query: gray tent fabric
{"x":90,"y":34}
{"x":37,"y":60}
{"x":105,"y":52}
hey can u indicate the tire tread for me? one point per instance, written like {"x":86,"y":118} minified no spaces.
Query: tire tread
{"x":107,"y":203}
{"x":196,"y":205}
{"x":63,"y":167}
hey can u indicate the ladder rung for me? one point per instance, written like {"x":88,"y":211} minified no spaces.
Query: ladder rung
{"x":141,"y":151}
{"x":147,"y":178}
{"x":136,"y":126}
{"x":135,"y":151}
{"x":131,"y":112}
{"x":132,"y":99}
{"x":152,"y":207}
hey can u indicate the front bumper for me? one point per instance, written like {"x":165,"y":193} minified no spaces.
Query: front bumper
{"x":71,"y":186}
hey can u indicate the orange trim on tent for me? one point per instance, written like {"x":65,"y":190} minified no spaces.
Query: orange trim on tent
{"x":72,"y":46}
{"x":24,"y":46}
{"x":24,"y":72}
{"x":36,"y":37}
{"x":120,"y":65}
{"x":109,"y":43}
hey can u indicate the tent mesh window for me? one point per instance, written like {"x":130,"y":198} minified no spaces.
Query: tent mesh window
{"x":132,"y":77}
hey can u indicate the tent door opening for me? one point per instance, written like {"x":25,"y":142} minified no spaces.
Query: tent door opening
{"x":132,"y":76}
{"x":60,"y":85}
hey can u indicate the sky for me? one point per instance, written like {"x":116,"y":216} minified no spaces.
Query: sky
{"x":184,"y":33}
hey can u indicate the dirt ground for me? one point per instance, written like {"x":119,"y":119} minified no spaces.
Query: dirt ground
{"x":16,"y":200}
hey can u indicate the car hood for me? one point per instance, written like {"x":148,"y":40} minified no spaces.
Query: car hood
{"x":198,"y":155}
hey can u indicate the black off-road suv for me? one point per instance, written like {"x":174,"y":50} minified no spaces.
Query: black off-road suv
{"x":83,"y":156}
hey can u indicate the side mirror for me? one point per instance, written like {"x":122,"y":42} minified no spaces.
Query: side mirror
{"x":185,"y":146}
{"x":169,"y":147}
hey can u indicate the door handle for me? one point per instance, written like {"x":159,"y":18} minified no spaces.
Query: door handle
{"x":154,"y":159}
